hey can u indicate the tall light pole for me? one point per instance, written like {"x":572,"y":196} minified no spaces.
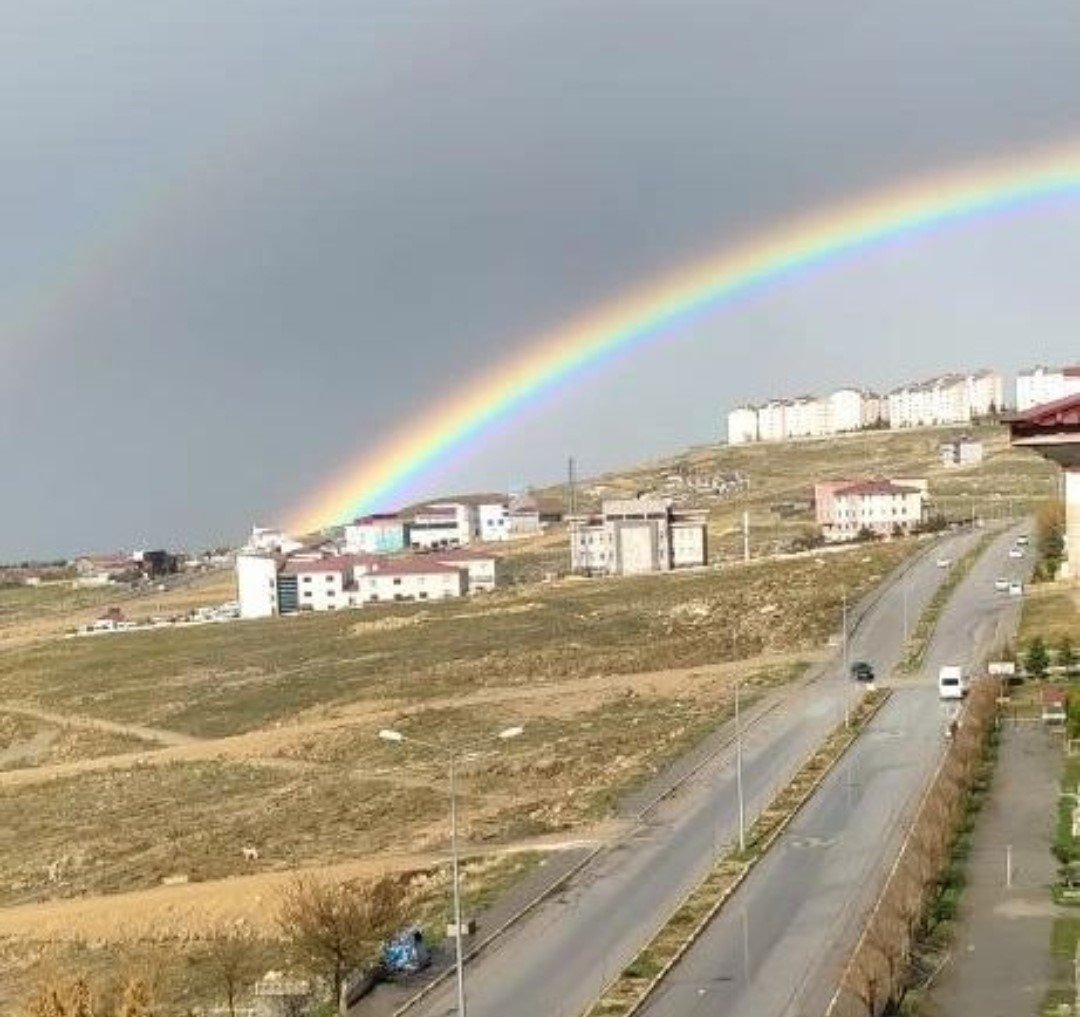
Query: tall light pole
{"x":738,"y":770}
{"x":452,"y":753}
{"x":844,"y":656}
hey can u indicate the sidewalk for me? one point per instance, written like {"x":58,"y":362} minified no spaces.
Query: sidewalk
{"x":1000,"y":964}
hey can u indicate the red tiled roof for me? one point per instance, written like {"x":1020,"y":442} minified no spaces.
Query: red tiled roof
{"x":1059,"y":413}
{"x":866,"y":487}
{"x":378,"y":517}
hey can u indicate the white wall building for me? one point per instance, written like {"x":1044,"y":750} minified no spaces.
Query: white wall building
{"x":444,"y":524}
{"x":845,"y":410}
{"x":411,"y":580}
{"x":480,"y":569}
{"x":323,"y":584}
{"x":267,"y":540}
{"x":773,"y":420}
{"x":256,"y":585}
{"x":493,"y":520}
{"x":1045,"y":385}
{"x":845,"y":508}
{"x":742,"y":425}
{"x":807,"y":417}
{"x":633,"y":536}
{"x":524,"y":516}
{"x":986,"y":393}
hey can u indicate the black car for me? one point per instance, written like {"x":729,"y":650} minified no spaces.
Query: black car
{"x":862,"y":672}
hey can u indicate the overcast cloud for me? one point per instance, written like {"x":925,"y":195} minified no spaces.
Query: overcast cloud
{"x":242,"y":241}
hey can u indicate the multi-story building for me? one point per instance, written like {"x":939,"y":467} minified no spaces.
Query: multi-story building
{"x":480,"y":568}
{"x":773,"y":420}
{"x":1045,"y":385}
{"x":947,"y":399}
{"x":638,"y":535}
{"x":257,"y":585}
{"x":493,"y":520}
{"x":986,"y":393}
{"x":962,"y":451}
{"x":807,"y":417}
{"x":375,"y":534}
{"x":405,"y":579}
{"x":742,"y":425}
{"x":444,"y":524}
{"x":846,"y":508}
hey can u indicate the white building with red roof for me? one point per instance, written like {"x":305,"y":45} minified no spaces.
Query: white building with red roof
{"x":443,"y":524}
{"x":411,"y":579}
{"x":846,"y":508}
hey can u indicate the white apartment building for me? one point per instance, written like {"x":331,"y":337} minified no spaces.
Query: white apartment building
{"x":493,"y":520}
{"x":844,"y":508}
{"x":411,"y":580}
{"x":986,"y":393}
{"x":773,"y":420}
{"x":807,"y":417}
{"x":324,"y":584}
{"x":256,"y":585}
{"x":845,"y":410}
{"x":947,"y":399}
{"x":444,"y":524}
{"x":634,"y":536}
{"x":742,"y":425}
{"x":1045,"y":385}
{"x":376,"y":534}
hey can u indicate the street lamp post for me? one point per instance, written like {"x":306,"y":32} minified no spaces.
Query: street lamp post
{"x":452,"y":753}
{"x":738,"y":770}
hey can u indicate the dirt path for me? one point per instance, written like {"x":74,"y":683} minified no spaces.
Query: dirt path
{"x":1000,"y":962}
{"x":266,"y":745}
{"x":190,"y":910}
{"x":146,"y":734}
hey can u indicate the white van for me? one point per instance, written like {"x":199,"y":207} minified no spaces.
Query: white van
{"x":952,"y":683}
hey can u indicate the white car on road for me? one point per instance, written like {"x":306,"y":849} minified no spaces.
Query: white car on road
{"x":944,"y":563}
{"x":1001,"y":584}
{"x":1016,"y":552}
{"x":1016,"y":589}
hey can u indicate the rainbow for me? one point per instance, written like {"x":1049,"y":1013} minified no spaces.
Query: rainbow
{"x":373,"y":480}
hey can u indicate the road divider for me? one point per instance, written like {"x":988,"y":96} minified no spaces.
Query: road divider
{"x":915,"y":651}
{"x":629,"y":991}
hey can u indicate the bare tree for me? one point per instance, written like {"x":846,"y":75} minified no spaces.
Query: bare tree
{"x":332,"y":928}
{"x":231,"y":959}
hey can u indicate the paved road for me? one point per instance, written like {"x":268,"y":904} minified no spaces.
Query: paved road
{"x":779,"y":946}
{"x":556,"y":962}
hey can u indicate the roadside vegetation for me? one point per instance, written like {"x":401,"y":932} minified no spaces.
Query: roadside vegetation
{"x":911,"y":924}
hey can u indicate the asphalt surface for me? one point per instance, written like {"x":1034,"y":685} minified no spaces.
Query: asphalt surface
{"x":778,"y":948}
{"x":556,"y":962}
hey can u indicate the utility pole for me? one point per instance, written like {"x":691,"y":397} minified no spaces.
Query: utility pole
{"x":844,"y":655}
{"x":738,"y":770}
{"x":459,"y":961}
{"x":571,"y":486}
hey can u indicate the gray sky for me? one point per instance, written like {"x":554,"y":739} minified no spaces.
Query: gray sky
{"x":241,"y":241}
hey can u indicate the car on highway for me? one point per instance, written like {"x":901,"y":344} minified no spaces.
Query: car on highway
{"x":1022,"y":540}
{"x":952,"y":682}
{"x":861,"y":671}
{"x":1016,"y":552}
{"x":1016,"y":589}
{"x":1001,"y":584}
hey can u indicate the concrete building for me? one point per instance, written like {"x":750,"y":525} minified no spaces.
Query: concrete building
{"x":773,"y":420}
{"x":638,"y":535}
{"x":406,"y":579}
{"x":986,"y":393}
{"x":742,"y":425}
{"x":1045,"y":385}
{"x":524,"y":512}
{"x":444,"y":524}
{"x":845,"y":410}
{"x":256,"y":585}
{"x":493,"y":520}
{"x":1053,"y":431}
{"x":845,"y":508}
{"x":807,"y":417}
{"x":267,"y":540}
{"x":480,"y":569}
{"x":962,"y":451}
{"x":322,"y":584}
{"x":376,"y":534}
{"x":946,"y":399}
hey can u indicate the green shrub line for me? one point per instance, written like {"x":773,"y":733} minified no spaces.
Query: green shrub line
{"x":915,"y":651}
{"x":624,"y":996}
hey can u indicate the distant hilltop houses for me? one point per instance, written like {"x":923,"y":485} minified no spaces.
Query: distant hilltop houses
{"x":943,"y":400}
{"x":1045,"y":385}
{"x":421,"y":555}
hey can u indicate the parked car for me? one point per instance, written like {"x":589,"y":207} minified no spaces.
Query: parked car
{"x":1016,"y":589}
{"x":1022,"y":540}
{"x":861,"y":671}
{"x":1016,"y":552}
{"x":1001,"y":584}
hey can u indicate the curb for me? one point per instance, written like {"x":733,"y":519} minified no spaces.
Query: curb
{"x":766,"y":846}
